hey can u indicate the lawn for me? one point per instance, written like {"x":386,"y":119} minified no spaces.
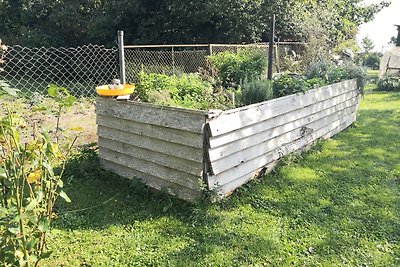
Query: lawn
{"x":336,"y":205}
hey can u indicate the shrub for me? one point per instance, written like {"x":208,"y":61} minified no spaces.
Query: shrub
{"x":287,"y":84}
{"x":389,"y":83}
{"x":188,"y":90}
{"x":255,"y":91}
{"x":234,"y":68}
{"x":332,"y":73}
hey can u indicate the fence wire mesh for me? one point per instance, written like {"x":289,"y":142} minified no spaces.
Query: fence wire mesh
{"x":177,"y":59}
{"x":79,"y":69}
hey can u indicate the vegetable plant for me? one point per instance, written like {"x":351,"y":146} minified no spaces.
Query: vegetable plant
{"x":31,"y":171}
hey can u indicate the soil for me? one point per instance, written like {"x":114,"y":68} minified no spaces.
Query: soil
{"x":78,"y":120}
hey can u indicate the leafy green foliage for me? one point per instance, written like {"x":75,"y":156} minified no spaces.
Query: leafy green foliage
{"x":31,"y":171}
{"x":74,"y":22}
{"x":234,"y":68}
{"x":255,"y":91}
{"x":389,"y":83}
{"x":187,"y":90}
{"x":286,"y":84}
{"x":332,"y":73}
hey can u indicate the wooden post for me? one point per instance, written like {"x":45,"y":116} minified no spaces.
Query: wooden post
{"x":121,"y":57}
{"x":271,"y":46}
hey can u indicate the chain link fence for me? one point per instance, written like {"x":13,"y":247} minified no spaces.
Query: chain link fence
{"x":79,"y":69}
{"x":177,"y":59}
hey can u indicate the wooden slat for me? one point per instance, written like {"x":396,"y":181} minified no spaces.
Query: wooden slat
{"x":177,"y":118}
{"x":181,"y":164}
{"x":152,"y":181}
{"x":226,"y":182}
{"x":238,"y":118}
{"x":161,"y":146}
{"x":238,"y":145}
{"x":248,"y":153}
{"x":153,"y":169}
{"x":269,"y":123}
{"x":154,"y":131}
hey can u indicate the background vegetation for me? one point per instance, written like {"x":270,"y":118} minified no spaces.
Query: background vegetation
{"x":76,"y":22}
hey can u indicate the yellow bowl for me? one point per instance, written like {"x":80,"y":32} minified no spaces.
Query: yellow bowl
{"x":104,"y":90}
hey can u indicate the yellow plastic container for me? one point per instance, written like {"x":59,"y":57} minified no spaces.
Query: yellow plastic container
{"x":104,"y":90}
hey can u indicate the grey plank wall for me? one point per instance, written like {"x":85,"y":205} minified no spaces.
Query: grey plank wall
{"x":243,"y":141}
{"x":174,"y":148}
{"x":163,"y":146}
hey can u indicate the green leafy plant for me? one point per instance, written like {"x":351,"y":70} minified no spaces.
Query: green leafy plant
{"x":255,"y":91}
{"x":31,"y":171}
{"x":187,"y":90}
{"x":389,"y":83}
{"x":234,"y":68}
{"x":287,"y":84}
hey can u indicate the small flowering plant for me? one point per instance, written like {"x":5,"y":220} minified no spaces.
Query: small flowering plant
{"x":30,"y":182}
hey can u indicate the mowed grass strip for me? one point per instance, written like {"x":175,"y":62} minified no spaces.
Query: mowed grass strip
{"x":336,"y":205}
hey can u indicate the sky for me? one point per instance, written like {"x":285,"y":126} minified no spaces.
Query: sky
{"x":382,"y":28}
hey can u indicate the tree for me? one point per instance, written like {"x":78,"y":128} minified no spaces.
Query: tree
{"x":367,"y":44}
{"x":74,"y":22}
{"x":393,"y":40}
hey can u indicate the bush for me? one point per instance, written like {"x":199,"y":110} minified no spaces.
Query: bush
{"x":234,"y":68}
{"x":389,"y":83}
{"x":255,"y":91}
{"x":188,"y":90}
{"x":287,"y":84}
{"x":332,"y":73}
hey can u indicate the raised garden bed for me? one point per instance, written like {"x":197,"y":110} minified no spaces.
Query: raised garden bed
{"x":180,"y":150}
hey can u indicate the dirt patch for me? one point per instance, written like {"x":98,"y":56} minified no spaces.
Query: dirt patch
{"x":78,"y":120}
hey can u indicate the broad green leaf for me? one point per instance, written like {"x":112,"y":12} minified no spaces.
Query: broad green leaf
{"x":52,"y":90}
{"x":31,"y":204}
{"x":44,"y":225}
{"x":69,"y":100}
{"x":65,"y":196}
{"x":30,"y":244}
{"x":3,"y":174}
{"x":13,"y":230}
{"x":46,"y":254}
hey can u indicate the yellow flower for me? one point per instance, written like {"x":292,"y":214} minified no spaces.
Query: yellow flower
{"x":34,"y":176}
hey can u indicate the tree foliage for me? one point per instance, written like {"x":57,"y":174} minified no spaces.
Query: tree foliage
{"x":73,"y":22}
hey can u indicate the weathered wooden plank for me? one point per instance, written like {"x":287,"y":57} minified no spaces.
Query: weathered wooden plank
{"x":227,"y":181}
{"x":237,"y":118}
{"x":230,"y":161}
{"x":161,"y":146}
{"x":188,"y":120}
{"x":181,"y":164}
{"x":168,"y":134}
{"x":152,"y":181}
{"x":162,"y":172}
{"x":228,"y":188}
{"x":238,"y":145}
{"x":269,"y":123}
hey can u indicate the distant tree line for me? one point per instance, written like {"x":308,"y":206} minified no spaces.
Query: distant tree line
{"x":76,"y":22}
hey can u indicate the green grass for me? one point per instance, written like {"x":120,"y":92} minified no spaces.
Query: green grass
{"x":336,"y":205}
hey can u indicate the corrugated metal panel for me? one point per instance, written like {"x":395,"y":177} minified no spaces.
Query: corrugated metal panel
{"x":284,"y":125}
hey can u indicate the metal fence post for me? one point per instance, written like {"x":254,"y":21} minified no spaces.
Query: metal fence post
{"x":121,"y":57}
{"x":271,"y":46}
